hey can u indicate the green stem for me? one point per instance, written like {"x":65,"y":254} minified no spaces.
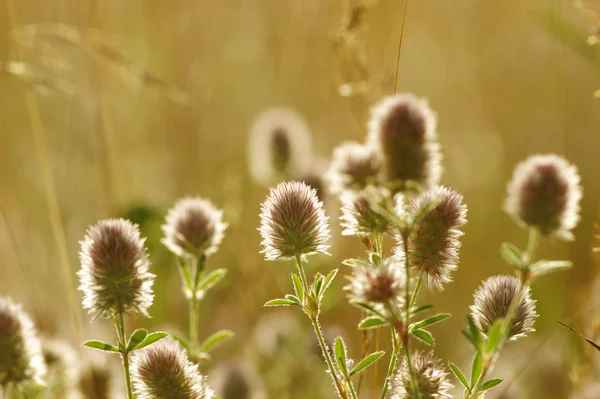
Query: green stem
{"x":124,"y":354}
{"x":193,"y":305}
{"x":393,"y":360}
{"x":490,"y":359}
{"x":379,"y":245}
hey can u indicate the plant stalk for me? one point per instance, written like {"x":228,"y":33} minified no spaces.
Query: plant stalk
{"x":124,"y":354}
{"x":406,"y":338}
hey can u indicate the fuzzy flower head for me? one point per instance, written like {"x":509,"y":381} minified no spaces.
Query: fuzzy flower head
{"x":403,"y":129}
{"x":354,"y":166}
{"x":293,"y":222}
{"x":194,"y":227}
{"x":492,"y":301}
{"x":164,"y":371}
{"x":21,"y":357}
{"x":359,"y":216}
{"x":434,"y":242}
{"x":545,"y":193}
{"x":379,"y":284}
{"x":280,"y":146}
{"x":63,"y":368}
{"x":432,"y":379}
{"x":114,"y":272}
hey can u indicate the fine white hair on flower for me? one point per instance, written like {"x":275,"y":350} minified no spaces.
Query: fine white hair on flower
{"x":194,"y":227}
{"x":293,"y":222}
{"x":21,"y":359}
{"x":492,"y":301}
{"x":354,"y":166}
{"x":431,"y":378}
{"x":280,"y":146}
{"x":163,"y":370}
{"x":402,"y":128}
{"x":545,"y":193}
{"x":380,"y":284}
{"x":114,"y":272}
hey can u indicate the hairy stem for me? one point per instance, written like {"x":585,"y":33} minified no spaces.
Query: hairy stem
{"x":490,"y":360}
{"x":124,"y":354}
{"x":406,"y":337}
{"x":394,"y":356}
{"x":379,"y":251}
{"x":193,"y":305}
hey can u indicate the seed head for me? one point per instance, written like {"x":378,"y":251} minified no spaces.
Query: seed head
{"x":163,"y":371}
{"x":353,"y":167}
{"x":21,"y":357}
{"x":114,"y":273}
{"x":432,"y":380}
{"x":359,"y":216}
{"x":280,"y":146}
{"x":378,"y":284}
{"x":194,"y":227}
{"x":545,"y":193}
{"x":434,"y":242}
{"x":492,"y":301}
{"x":403,"y":129}
{"x":293,"y":222}
{"x":63,"y":368}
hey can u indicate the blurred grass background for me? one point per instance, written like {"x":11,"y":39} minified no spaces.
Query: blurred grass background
{"x":508,"y":79}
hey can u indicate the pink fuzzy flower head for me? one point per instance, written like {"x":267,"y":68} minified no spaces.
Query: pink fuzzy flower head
{"x":544,"y":193}
{"x":431,"y":378}
{"x":380,"y":284}
{"x":163,"y":371}
{"x":354,"y":166}
{"x":434,"y":244}
{"x":360,"y":217}
{"x":403,"y":129}
{"x":114,"y":272}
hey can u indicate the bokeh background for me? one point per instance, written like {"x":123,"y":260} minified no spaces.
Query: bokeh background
{"x":156,"y":101}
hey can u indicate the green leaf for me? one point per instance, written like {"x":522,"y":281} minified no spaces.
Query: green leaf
{"x":475,"y":334}
{"x":279,"y":302}
{"x":511,"y":254}
{"x":217,"y":338}
{"x":355,"y":263}
{"x":367,"y":308}
{"x":494,"y":335}
{"x":103,"y":346}
{"x":430,"y":320}
{"x":549,"y":266}
{"x":199,"y":270}
{"x":150,"y":339}
{"x":374,"y":258}
{"x":366,"y":362}
{"x":459,"y":374}
{"x":476,"y":369}
{"x":425,"y":210}
{"x":327,"y":281}
{"x":424,"y":336}
{"x":212,"y":279}
{"x":317,"y":285}
{"x":293,"y":298}
{"x":298,"y":287}
{"x":490,"y":384}
{"x":185,"y":273}
{"x":589,"y":341}
{"x":136,"y":337}
{"x":372,"y":322}
{"x":340,"y":355}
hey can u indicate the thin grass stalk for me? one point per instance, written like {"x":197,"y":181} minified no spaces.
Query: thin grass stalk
{"x":490,"y":362}
{"x":37,"y":130}
{"x":400,"y":45}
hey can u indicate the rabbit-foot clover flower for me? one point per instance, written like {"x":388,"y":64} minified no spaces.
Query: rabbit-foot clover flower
{"x":194,"y":227}
{"x":379,"y":284}
{"x":280,"y":146}
{"x":434,"y":244}
{"x":114,"y":274}
{"x":63,"y":368}
{"x":21,"y":357}
{"x":492,"y":301}
{"x":293,"y":222}
{"x":431,"y":378}
{"x":354,"y":166}
{"x":164,"y":371}
{"x":402,"y":129}
{"x":544,"y":193}
{"x":359,"y":216}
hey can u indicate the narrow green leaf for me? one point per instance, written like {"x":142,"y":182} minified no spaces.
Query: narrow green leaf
{"x":199,"y":271}
{"x":459,"y":374}
{"x":430,"y":320}
{"x":476,"y":369}
{"x":293,"y":298}
{"x":550,"y":266}
{"x":374,"y":258}
{"x":424,"y":336}
{"x":150,"y":339}
{"x":490,"y":384}
{"x":476,"y":335}
{"x":298,"y":288}
{"x":340,"y":355}
{"x":589,"y":341}
{"x":366,"y":362}
{"x":367,"y":308}
{"x":317,"y":285}
{"x":280,"y":302}
{"x":136,"y":337}
{"x":355,"y":263}
{"x":217,"y":338}
{"x":372,"y":322}
{"x":511,"y":254}
{"x":494,"y":335}
{"x":103,"y":346}
{"x":328,"y":280}
{"x":212,"y":279}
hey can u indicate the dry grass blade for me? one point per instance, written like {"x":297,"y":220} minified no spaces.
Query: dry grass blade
{"x":589,"y":341}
